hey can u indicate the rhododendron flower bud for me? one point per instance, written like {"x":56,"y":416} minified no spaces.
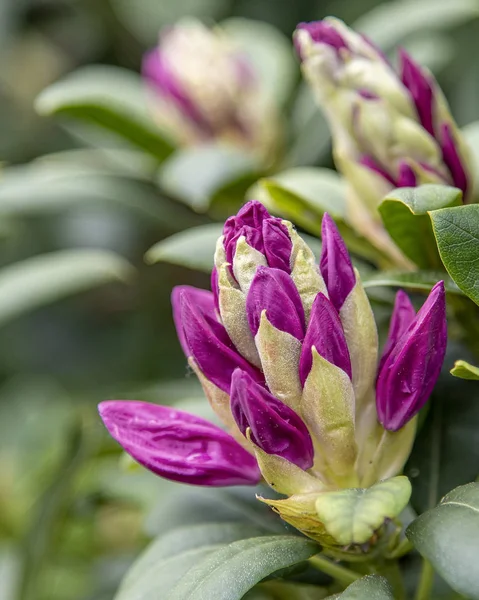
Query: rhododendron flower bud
{"x":286,"y":351}
{"x":412,"y":361}
{"x":205,"y":89}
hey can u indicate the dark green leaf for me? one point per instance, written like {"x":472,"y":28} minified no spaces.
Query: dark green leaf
{"x":194,"y":175}
{"x":404,"y":212}
{"x":457,"y":235}
{"x":417,"y":280}
{"x":170,"y":556}
{"x":37,"y":281}
{"x":229,"y":572}
{"x":371,"y":587}
{"x":464,"y":370}
{"x":112,"y":98}
{"x":447,"y":536}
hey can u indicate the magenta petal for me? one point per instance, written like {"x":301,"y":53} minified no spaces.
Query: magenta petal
{"x":277,"y":244}
{"x":210,"y":345}
{"x":275,"y":428}
{"x":407,"y":177}
{"x":215,"y":289}
{"x":335,"y":264}
{"x":416,"y":81}
{"x":203,"y":299}
{"x":326,"y":334}
{"x":410,"y":372}
{"x":253,"y":237}
{"x":452,"y":159}
{"x":273,"y":290}
{"x":177,"y":445}
{"x":156,"y":72}
{"x":402,"y":316}
{"x":324,"y":33}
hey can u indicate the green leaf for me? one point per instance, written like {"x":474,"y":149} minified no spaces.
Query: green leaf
{"x":170,"y":556}
{"x":43,"y":188}
{"x":229,"y":572}
{"x":304,"y":194}
{"x":109,"y":97}
{"x":194,"y":248}
{"x":464,"y":370}
{"x":388,"y":24}
{"x":457,"y":234}
{"x":447,"y":536}
{"x":371,"y":587}
{"x":404,"y":212}
{"x":413,"y":280}
{"x":37,"y":281}
{"x":194,"y":175}
{"x":351,"y":516}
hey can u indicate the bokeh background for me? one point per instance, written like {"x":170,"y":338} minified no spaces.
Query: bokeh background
{"x":71,"y":516}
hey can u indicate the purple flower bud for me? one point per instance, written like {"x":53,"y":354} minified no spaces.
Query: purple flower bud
{"x":323,"y":33}
{"x":266,"y":234}
{"x":420,"y":88}
{"x":410,"y":371}
{"x":203,"y":299}
{"x":205,"y":338}
{"x":452,"y":159}
{"x":215,"y":289}
{"x":177,"y":445}
{"x":335,"y":264}
{"x":273,"y":290}
{"x":277,"y":244}
{"x":163,"y":81}
{"x":407,"y":177}
{"x":275,"y":428}
{"x":368,"y":161}
{"x":326,"y":334}
{"x":402,"y":316}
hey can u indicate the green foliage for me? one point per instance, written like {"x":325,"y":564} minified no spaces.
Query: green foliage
{"x":405,"y":214}
{"x":447,"y":536}
{"x":457,"y":234}
{"x":371,"y":587}
{"x":111,"y":98}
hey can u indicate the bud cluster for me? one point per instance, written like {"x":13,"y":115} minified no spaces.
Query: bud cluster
{"x":389,"y":129}
{"x":286,"y":350}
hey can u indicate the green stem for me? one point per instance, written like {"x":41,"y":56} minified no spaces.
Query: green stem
{"x":401,"y":549}
{"x":341,"y":574}
{"x":424,"y":589}
{"x":392,"y":572}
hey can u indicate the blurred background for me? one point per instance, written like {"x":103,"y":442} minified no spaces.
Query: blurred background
{"x":83,"y":317}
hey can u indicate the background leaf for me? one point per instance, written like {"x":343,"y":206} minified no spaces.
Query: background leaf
{"x":412,"y":280}
{"x":111,"y":98}
{"x":457,"y":234}
{"x":404,"y":212}
{"x":447,"y":536}
{"x":36,"y":281}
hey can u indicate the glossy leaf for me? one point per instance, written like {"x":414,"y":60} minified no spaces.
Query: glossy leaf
{"x":304,"y":194}
{"x":457,"y":234}
{"x":229,"y":572}
{"x":404,"y":212}
{"x":194,"y":175}
{"x":371,"y":587}
{"x":351,"y":516}
{"x":168,"y":558}
{"x":46,"y":278}
{"x":411,"y":280}
{"x":447,"y":536}
{"x":464,"y":370}
{"x":111,"y":98}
